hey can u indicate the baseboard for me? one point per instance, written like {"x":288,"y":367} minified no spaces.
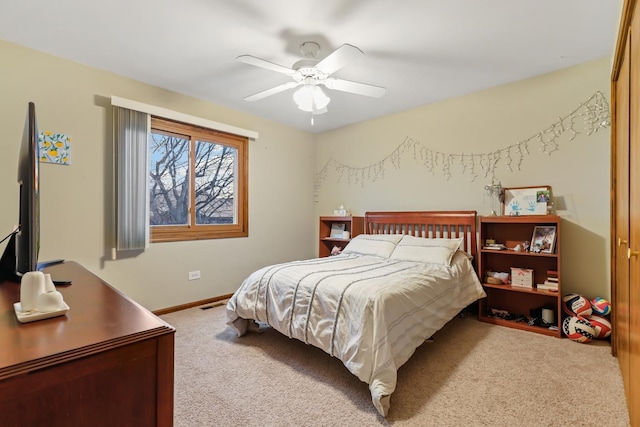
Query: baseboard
{"x":190,"y":305}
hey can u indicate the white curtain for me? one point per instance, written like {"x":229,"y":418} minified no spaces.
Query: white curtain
{"x":131,"y":176}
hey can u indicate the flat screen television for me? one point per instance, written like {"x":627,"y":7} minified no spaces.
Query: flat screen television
{"x":28,"y":237}
{"x":21,"y":253}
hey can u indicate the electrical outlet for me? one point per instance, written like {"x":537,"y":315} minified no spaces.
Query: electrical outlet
{"x":194,"y":275}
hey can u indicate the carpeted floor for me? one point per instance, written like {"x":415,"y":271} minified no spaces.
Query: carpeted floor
{"x":473,"y":374}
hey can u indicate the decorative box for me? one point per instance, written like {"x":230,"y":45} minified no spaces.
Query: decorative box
{"x":522,"y":277}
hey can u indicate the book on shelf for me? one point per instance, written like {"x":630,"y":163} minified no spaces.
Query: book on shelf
{"x":495,"y":247}
{"x":551,"y":283}
{"x":522,"y":285}
{"x":547,"y":287}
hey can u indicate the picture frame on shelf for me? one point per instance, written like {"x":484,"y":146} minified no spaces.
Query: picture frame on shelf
{"x":543,"y":239}
{"x":520,"y":201}
{"x":337,"y":230}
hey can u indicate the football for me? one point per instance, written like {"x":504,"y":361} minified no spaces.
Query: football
{"x":578,"y":329}
{"x":600,"y":306}
{"x":576,"y":305}
{"x":601,"y":326}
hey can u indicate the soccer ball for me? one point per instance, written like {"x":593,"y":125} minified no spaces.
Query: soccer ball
{"x":576,"y":305}
{"x":578,"y":329}
{"x":601,"y":325}
{"x":600,"y":306}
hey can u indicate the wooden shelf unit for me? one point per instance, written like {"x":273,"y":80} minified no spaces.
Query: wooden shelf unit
{"x":514,"y":299}
{"x":353,"y":224}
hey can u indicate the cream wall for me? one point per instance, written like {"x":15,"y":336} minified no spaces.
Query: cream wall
{"x":76,"y":200}
{"x":479,"y":123}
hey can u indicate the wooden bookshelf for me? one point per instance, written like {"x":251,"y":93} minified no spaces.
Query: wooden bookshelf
{"x":518,"y":300}
{"x":353,"y":224}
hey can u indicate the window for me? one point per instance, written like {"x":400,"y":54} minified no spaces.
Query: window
{"x":198,"y":183}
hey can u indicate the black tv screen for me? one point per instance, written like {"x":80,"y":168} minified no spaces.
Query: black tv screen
{"x":21,"y":253}
{"x":28,"y":237}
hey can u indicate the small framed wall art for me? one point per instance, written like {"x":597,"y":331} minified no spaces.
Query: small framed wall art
{"x":520,"y":201}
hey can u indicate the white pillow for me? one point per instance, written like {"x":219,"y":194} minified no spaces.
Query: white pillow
{"x":381,"y":245}
{"x":433,"y":251}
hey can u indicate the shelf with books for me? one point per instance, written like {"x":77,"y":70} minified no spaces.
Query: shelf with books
{"x":533,"y":290}
{"x":537,"y":264}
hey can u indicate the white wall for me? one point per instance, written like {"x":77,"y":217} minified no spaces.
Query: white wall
{"x":76,"y":200}
{"x":480,"y":123}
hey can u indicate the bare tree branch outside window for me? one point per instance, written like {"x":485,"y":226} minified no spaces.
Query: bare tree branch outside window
{"x":169,"y":181}
{"x":198,"y":182}
{"x":169,"y":185}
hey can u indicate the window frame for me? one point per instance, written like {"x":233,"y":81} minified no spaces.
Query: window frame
{"x":192,"y":231}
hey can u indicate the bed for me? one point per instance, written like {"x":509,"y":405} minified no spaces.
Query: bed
{"x":372,"y":305}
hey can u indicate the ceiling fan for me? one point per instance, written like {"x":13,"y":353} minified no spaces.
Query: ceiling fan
{"x":310,"y":74}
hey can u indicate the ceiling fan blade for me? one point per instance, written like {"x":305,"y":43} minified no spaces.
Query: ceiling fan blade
{"x":355,"y":87}
{"x":339,"y":58}
{"x":281,"y":88}
{"x":262,"y":63}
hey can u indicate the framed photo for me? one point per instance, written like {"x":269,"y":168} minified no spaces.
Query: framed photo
{"x":520,"y":201}
{"x":337,"y":230}
{"x":543,"y":239}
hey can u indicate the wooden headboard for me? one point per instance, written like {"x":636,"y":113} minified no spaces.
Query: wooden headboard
{"x":427,"y":224}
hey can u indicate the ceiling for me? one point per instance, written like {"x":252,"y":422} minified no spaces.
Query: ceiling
{"x":421,"y":51}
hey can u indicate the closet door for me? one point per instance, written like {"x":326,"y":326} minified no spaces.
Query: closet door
{"x":634,"y":225}
{"x":621,"y":208}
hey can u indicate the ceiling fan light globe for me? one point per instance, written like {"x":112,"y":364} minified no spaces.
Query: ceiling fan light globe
{"x":311,"y":98}
{"x":303,"y":98}
{"x":320,"y":99}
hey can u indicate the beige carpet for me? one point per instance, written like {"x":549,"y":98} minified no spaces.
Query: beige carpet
{"x":473,"y":374}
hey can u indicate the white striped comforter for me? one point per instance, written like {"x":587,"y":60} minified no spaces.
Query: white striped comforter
{"x":370,"y":312}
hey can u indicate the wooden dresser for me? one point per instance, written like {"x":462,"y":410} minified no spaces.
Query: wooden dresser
{"x":107,"y":362}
